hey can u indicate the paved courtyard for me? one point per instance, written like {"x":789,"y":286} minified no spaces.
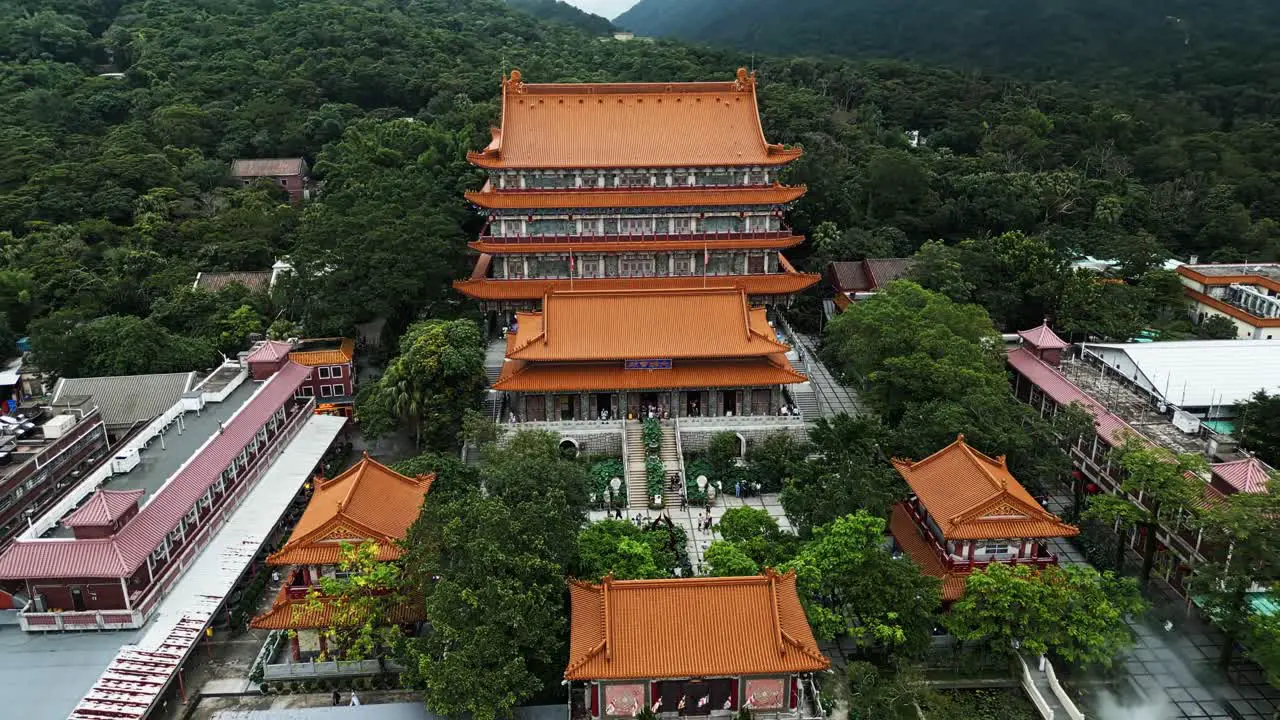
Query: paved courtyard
{"x":688,"y":520}
{"x":1177,"y":669}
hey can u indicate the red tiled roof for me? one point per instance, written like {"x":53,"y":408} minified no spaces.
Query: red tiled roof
{"x":689,"y":627}
{"x":637,"y":324}
{"x":883,"y":271}
{"x":619,"y":125}
{"x":1043,"y":338}
{"x":635,"y":197}
{"x":270,"y":351}
{"x":127,"y":550}
{"x":267,"y":167}
{"x":518,"y":376}
{"x":909,"y":536}
{"x":974,"y":497}
{"x":1110,"y":427}
{"x":785,"y":283}
{"x":367,"y":502}
{"x":1249,"y":475}
{"x":619,"y":244}
{"x":103,"y":508}
{"x":867,"y":275}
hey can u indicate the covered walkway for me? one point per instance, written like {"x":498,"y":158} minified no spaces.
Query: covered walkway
{"x":140,"y":673}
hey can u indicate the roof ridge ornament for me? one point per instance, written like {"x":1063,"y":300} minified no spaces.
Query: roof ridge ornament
{"x":746,"y":80}
{"x":514,"y":82}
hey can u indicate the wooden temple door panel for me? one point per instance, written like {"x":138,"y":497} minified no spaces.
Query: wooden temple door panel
{"x":535,"y":408}
{"x":760,"y":402}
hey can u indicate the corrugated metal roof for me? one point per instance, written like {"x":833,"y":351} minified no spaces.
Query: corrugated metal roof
{"x":268,"y":167}
{"x":126,"y":399}
{"x":689,"y":627}
{"x":627,"y":198}
{"x":125,"y":552}
{"x":617,"y":125}
{"x":1200,"y":373}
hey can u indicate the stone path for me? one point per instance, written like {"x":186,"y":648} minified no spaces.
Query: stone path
{"x":1177,"y":669}
{"x":833,"y":396}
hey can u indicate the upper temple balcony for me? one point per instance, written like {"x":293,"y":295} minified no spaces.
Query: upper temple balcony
{"x":653,"y":242}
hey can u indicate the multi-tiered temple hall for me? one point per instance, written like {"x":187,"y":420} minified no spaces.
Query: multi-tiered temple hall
{"x":640,"y":186}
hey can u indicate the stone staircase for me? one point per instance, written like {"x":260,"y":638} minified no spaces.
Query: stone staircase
{"x":670,"y":455}
{"x":806,"y":399}
{"x":494,"y":357}
{"x":637,"y":485}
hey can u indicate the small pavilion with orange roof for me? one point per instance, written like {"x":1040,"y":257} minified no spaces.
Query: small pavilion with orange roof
{"x":692,"y":646}
{"x":967,"y":511}
{"x":369,"y":502}
{"x":604,"y":353}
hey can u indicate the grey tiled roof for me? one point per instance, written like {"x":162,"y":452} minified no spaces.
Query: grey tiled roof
{"x":126,"y":398}
{"x":252,"y":279}
{"x":268,"y":167}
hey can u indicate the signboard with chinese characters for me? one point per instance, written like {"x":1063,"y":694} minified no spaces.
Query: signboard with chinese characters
{"x":764,"y":694}
{"x":652,"y":364}
{"x":623,"y":700}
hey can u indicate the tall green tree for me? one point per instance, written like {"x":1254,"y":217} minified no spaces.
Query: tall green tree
{"x":850,"y":584}
{"x":363,"y":604}
{"x":1259,"y":420}
{"x":1160,"y":487}
{"x":436,"y":378}
{"x":1021,"y":607}
{"x":491,"y":565}
{"x":1243,"y":532}
{"x":848,"y":473}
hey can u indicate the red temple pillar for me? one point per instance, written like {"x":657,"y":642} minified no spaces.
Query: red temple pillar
{"x":324,"y":644}
{"x":294,"y":649}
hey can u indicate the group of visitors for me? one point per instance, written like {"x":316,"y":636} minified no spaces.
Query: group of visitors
{"x":705,"y":521}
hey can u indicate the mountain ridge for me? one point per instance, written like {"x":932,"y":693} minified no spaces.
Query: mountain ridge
{"x":1045,"y":39}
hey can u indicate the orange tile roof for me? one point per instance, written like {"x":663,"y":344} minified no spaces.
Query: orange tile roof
{"x":345,"y":351}
{"x":908,"y":535}
{"x":785,"y":283}
{"x":974,"y":497}
{"x":635,"y":198}
{"x":689,"y":627}
{"x":668,"y":243}
{"x":637,"y":324}
{"x":369,"y":501}
{"x":298,"y":614}
{"x":520,"y":376}
{"x":617,"y":125}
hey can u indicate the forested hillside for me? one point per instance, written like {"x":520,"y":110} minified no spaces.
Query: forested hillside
{"x":1087,"y":40}
{"x":114,"y":191}
{"x":562,"y":12}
